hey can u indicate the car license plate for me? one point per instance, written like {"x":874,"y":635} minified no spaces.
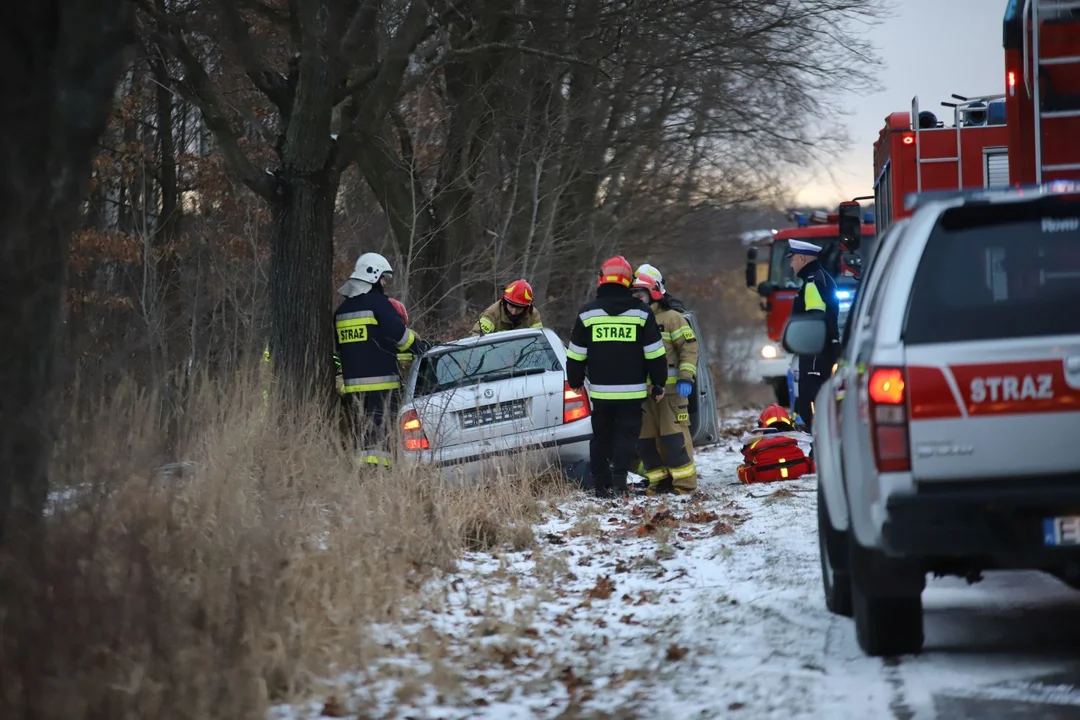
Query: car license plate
{"x":1061,"y":530}
{"x":491,"y":414}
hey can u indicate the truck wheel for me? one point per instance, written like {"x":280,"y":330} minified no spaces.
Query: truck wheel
{"x":888,"y":616}
{"x":783,"y":397}
{"x":835,"y":574}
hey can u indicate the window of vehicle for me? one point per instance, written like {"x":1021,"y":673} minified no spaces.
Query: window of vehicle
{"x":486,"y":361}
{"x":998,"y":271}
{"x":781,"y":274}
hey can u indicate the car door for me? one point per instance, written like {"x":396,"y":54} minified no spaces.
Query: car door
{"x":704,"y":417}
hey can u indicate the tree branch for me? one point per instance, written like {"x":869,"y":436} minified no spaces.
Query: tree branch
{"x":510,"y":47}
{"x":197,"y":89}
{"x":271,"y":84}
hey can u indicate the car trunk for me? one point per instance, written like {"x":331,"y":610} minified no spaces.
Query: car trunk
{"x":993,"y":344}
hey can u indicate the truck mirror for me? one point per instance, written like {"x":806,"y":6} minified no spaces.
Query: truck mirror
{"x":850,"y":223}
{"x":751,"y":267}
{"x":765,"y":289}
{"x":804,"y":335}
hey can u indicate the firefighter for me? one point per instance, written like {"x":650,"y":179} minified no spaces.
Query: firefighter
{"x":512,"y":311}
{"x":616,"y":343}
{"x":817,"y":295}
{"x":369,"y":335}
{"x":664,"y":444}
{"x":405,"y":359}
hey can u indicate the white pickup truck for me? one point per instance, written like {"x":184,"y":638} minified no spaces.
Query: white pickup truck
{"x":948,"y":439}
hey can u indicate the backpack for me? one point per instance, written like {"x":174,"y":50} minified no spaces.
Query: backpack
{"x":770,"y":458}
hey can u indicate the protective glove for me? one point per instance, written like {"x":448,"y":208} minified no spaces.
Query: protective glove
{"x":684,"y":387}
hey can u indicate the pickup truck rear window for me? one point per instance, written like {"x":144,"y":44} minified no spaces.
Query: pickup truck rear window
{"x":487,"y":361}
{"x":998,"y":271}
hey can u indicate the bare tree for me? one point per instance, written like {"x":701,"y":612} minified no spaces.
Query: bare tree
{"x":61,"y":61}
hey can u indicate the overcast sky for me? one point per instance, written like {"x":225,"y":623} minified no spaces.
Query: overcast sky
{"x":930,"y":48}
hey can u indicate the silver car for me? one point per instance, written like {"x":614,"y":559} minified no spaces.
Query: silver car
{"x":495,"y":400}
{"x":948,"y":440}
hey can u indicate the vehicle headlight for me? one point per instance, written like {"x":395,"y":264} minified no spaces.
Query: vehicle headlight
{"x":769,"y":352}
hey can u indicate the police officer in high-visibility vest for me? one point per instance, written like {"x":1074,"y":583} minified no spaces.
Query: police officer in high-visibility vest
{"x":817,"y":295}
{"x":616,"y":343}
{"x":513,"y":310}
{"x":369,"y":335}
{"x":664,"y":445}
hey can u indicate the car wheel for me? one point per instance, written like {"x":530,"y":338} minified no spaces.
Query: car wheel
{"x":835,"y":574}
{"x":888,"y":619}
{"x":783,"y":397}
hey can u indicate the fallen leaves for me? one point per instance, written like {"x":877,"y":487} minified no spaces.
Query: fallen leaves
{"x":663,"y":518}
{"x":675,"y":653}
{"x":722,"y":528}
{"x":705,"y":516}
{"x":602,"y":589}
{"x":333,"y":708}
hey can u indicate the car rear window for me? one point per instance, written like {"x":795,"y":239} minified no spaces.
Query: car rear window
{"x":998,"y":271}
{"x":487,"y":361}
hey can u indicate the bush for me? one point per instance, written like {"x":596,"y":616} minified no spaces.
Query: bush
{"x":216,"y":586}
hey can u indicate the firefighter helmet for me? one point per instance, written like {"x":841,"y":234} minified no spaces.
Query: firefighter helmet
{"x":370,"y":267}
{"x":648,"y":282}
{"x":400,"y":307}
{"x":777,"y":417}
{"x":518,"y":293}
{"x":616,"y":271}
{"x":655,"y":274}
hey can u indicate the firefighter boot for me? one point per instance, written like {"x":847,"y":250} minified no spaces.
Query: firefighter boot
{"x":680,"y":464}
{"x":618,"y":484}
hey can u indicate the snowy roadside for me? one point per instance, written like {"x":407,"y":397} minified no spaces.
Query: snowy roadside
{"x":684,"y":607}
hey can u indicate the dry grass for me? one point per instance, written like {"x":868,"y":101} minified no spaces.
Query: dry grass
{"x":213,"y":589}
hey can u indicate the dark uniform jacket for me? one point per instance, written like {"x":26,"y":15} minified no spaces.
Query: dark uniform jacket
{"x":818,"y":295}
{"x":617,"y":343}
{"x":369,"y":334}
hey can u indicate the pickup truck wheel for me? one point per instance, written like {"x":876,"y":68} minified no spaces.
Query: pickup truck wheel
{"x":889,"y":620}
{"x":835,"y":573}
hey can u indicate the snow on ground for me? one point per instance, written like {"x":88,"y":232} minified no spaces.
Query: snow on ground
{"x":700,"y":607}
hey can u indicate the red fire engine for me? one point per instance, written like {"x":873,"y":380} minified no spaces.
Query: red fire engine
{"x":1027,"y":135}
{"x":778,"y":290}
{"x":915,"y":152}
{"x":1042,"y":89}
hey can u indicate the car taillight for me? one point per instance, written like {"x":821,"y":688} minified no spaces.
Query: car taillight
{"x":412,"y":432}
{"x":887,"y":389}
{"x":575,"y":404}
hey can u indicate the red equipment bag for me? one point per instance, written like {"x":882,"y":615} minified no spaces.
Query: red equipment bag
{"x":773,"y":458}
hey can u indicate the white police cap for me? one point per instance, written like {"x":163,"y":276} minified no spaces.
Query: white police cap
{"x":801,"y":247}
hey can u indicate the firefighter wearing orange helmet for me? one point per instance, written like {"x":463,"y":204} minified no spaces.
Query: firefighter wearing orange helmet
{"x":616,"y":343}
{"x":404,"y":357}
{"x":664,"y":445}
{"x":512,"y":311}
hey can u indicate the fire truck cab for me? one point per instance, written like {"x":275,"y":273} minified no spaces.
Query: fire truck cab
{"x":780,"y":285}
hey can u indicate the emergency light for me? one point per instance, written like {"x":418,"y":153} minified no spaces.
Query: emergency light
{"x":801,"y":219}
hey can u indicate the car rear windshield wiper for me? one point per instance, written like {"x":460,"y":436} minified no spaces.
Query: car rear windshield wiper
{"x":510,"y":373}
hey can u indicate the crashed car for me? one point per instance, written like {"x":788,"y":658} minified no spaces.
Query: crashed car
{"x":502,"y":401}
{"x":498,"y":400}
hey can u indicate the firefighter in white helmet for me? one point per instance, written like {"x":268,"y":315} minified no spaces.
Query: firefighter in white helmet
{"x":664,"y":445}
{"x":369,"y":335}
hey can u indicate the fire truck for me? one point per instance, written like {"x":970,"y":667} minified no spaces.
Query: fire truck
{"x":1026,"y":135}
{"x":841,"y":245}
{"x":1042,"y":89}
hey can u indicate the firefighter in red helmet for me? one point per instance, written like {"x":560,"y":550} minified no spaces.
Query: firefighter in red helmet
{"x":405,"y":357}
{"x":665,"y":445}
{"x":512,"y":311}
{"x":616,"y":343}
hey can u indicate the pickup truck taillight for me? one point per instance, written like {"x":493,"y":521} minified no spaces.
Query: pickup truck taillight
{"x":412,"y":432}
{"x":887,"y":391}
{"x":575,"y":404}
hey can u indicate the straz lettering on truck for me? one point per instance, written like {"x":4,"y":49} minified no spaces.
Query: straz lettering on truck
{"x":1012,"y":388}
{"x":614,"y":333}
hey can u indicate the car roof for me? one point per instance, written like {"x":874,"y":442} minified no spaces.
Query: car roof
{"x":490,"y":338}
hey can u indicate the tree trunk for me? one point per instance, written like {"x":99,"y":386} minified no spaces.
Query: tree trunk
{"x":170,"y":210}
{"x":301,"y":262}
